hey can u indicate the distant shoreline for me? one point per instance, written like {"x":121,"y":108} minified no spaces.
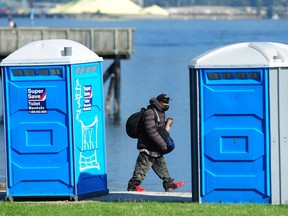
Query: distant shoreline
{"x":131,"y":17}
{"x":181,"y":13}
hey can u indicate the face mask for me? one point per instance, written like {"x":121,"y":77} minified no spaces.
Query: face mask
{"x":165,"y":106}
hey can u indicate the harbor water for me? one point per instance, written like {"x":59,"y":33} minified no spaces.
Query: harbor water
{"x":159,"y":64}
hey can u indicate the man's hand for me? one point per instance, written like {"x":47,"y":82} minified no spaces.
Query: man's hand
{"x":169,"y":123}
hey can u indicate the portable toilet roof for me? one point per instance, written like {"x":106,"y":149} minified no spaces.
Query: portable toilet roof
{"x":56,"y":51}
{"x":244,"y":55}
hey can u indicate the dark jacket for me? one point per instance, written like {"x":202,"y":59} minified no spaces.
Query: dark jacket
{"x":149,"y":137}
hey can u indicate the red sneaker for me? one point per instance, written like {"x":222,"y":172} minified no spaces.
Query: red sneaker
{"x":174,"y":186}
{"x":136,"y":188}
{"x":139,"y":189}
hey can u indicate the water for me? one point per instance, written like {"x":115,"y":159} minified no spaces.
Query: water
{"x":163,"y":50}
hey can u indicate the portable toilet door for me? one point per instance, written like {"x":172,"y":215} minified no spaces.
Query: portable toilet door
{"x":88,"y":124}
{"x":230,"y":127}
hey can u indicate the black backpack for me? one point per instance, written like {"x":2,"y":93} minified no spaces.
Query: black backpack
{"x":133,"y":123}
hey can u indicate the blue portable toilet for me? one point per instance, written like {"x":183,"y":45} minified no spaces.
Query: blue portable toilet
{"x":239,"y":133}
{"x":54,"y":121}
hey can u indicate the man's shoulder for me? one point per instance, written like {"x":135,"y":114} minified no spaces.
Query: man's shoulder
{"x":150,"y":111}
{"x":149,"y":114}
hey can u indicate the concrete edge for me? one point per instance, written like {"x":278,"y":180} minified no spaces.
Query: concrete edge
{"x":125,"y":196}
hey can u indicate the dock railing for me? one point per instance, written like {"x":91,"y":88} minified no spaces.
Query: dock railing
{"x":106,"y":42}
{"x":109,"y":43}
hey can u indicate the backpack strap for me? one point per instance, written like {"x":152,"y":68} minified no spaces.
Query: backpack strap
{"x":157,"y":115}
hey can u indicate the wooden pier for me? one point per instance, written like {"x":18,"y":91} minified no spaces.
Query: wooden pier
{"x":109,"y":43}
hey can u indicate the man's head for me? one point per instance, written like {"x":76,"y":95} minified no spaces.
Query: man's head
{"x":164,"y":101}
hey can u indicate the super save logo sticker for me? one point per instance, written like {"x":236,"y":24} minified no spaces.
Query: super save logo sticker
{"x":36,"y":100}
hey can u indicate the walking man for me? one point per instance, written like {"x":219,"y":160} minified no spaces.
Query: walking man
{"x":150,"y":144}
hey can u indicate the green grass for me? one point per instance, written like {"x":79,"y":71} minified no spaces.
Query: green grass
{"x":83,"y":208}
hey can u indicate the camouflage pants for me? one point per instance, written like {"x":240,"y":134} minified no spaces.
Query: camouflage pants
{"x":144,"y":163}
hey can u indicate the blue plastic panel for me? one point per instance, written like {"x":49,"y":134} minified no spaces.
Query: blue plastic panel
{"x":38,"y":131}
{"x":234,"y":136}
{"x":89,"y":136}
